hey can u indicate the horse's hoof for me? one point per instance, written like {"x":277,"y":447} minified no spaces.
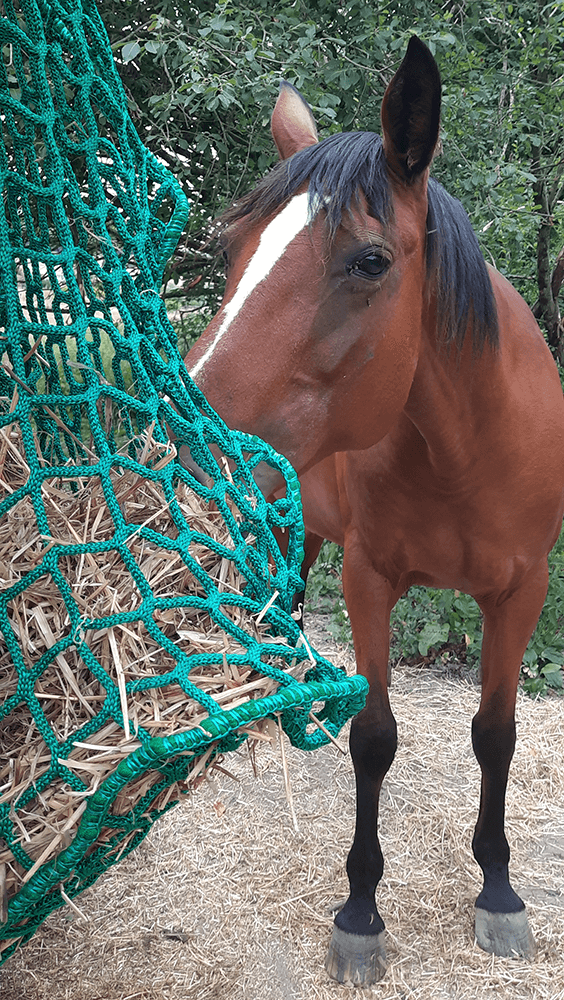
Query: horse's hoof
{"x":505,"y":934}
{"x":356,"y":958}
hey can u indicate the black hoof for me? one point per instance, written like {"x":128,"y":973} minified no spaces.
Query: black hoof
{"x":505,"y":934}
{"x":356,"y":958}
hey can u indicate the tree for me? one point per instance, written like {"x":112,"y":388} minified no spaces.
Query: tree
{"x":503,"y":117}
{"x":202,"y":81}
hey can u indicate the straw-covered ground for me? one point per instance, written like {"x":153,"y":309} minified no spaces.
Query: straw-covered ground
{"x":227,"y":900}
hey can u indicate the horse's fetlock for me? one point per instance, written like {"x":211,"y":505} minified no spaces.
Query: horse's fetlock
{"x":492,"y":854}
{"x":365,"y":868}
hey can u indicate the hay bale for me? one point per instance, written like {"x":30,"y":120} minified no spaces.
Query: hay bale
{"x":69,"y":692}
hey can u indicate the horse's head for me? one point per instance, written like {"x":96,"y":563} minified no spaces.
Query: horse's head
{"x":316,"y":342}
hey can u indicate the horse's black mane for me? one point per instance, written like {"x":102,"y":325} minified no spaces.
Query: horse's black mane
{"x":344,"y":164}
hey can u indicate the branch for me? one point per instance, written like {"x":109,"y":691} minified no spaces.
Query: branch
{"x":183,"y":293}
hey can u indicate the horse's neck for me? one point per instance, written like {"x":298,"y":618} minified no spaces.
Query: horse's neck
{"x":446,"y":407}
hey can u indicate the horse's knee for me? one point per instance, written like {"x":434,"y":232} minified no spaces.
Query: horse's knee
{"x":493,"y":740}
{"x":373,"y":744}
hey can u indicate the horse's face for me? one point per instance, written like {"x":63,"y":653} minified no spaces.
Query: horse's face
{"x":317,"y":355}
{"x":316,"y":342}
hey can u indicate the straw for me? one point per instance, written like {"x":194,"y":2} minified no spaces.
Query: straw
{"x":69,"y":694}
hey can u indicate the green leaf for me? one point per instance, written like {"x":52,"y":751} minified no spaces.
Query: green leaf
{"x":129,"y":51}
{"x":432,"y":634}
{"x":552,"y":672}
{"x":556,"y":655}
{"x":534,"y":685}
{"x":530,"y":657}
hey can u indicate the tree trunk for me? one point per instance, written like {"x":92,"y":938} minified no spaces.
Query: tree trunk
{"x":549,"y":280}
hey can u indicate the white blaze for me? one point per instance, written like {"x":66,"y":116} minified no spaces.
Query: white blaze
{"x":274,"y":240}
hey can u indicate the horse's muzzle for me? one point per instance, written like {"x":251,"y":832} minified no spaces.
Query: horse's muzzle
{"x":268,"y":479}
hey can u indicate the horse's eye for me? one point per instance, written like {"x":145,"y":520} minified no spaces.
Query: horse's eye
{"x":225,"y":256}
{"x":369,"y":265}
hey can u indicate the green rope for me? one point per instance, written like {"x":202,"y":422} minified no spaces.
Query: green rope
{"x":90,"y":365}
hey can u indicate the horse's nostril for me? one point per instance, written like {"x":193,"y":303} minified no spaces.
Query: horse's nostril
{"x":268,"y":478}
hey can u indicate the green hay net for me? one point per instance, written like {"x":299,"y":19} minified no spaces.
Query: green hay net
{"x":92,"y":388}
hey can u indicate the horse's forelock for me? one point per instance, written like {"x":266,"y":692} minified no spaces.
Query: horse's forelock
{"x":336,"y":170}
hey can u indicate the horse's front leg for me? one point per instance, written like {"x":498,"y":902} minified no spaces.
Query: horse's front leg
{"x":312,"y":546}
{"x":501,"y":920}
{"x":357,"y":952}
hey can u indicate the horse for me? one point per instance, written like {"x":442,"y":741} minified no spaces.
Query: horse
{"x":363,"y":335}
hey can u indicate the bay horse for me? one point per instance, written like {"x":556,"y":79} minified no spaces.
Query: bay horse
{"x":364,"y":337}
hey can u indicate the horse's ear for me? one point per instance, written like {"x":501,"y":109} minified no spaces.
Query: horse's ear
{"x":411,"y":112}
{"x":292,"y":124}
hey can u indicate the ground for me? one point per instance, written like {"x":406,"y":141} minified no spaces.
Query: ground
{"x":227,"y":900}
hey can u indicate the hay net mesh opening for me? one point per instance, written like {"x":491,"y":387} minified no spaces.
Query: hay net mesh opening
{"x":145,"y":621}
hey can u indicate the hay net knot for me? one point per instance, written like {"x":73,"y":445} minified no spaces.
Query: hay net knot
{"x":145,"y":622}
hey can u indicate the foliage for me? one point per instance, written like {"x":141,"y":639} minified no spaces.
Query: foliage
{"x":426,"y":621}
{"x":189,"y":320}
{"x":544,"y":657}
{"x":202,"y":80}
{"x":427,"y":624}
{"x":504,"y":143}
{"x":324,"y":593}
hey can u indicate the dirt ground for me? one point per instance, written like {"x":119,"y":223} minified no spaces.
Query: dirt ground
{"x":227,"y":900}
